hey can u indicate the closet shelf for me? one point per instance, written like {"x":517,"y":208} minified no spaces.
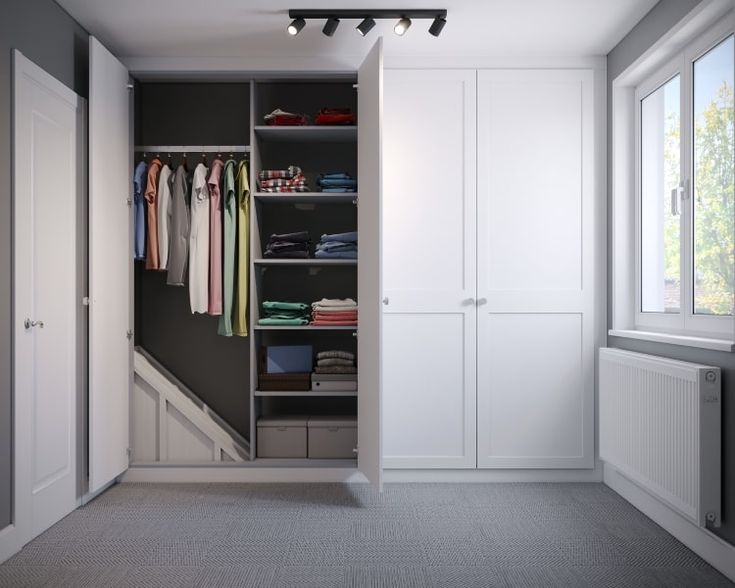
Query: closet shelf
{"x":306,"y":198}
{"x":315,"y":133}
{"x":301,"y":328}
{"x":309,"y":262}
{"x":306,"y":393}
{"x":287,"y":462}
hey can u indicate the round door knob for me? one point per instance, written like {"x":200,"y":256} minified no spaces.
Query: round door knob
{"x":482,"y":301}
{"x":468,"y":301}
{"x":385,"y":301}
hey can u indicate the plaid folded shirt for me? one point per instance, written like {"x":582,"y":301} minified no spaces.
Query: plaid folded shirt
{"x":291,"y":172}
{"x":286,"y":189}
{"x":297,"y":180}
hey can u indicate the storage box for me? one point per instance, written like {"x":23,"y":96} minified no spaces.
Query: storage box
{"x":282,"y":436}
{"x":332,"y":437}
{"x":286,"y":382}
{"x":340,"y":382}
{"x":288,"y":359}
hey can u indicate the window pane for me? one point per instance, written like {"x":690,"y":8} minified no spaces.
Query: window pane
{"x":660,"y":174}
{"x":714,"y":226}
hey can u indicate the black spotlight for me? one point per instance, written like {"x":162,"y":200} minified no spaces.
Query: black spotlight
{"x":296,"y":25}
{"x":437,"y":26}
{"x":366,"y":25}
{"x":330,"y":26}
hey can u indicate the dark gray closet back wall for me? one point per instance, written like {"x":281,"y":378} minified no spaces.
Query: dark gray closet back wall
{"x":48,"y":36}
{"x":655,"y":24}
{"x":216,"y":368}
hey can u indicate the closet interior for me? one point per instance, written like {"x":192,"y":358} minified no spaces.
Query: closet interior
{"x":265,"y":384}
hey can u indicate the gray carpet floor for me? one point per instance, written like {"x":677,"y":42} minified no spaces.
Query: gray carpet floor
{"x":323,"y":535}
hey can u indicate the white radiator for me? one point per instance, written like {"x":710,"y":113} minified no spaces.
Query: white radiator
{"x":660,"y":427}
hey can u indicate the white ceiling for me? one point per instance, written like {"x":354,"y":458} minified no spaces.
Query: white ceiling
{"x":256,"y":28}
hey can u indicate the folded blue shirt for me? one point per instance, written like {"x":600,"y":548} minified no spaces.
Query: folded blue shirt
{"x":350,"y":237}
{"x":336,"y":176}
{"x":336,"y":246}
{"x":336,"y":254}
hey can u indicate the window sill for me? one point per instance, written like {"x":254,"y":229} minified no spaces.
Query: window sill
{"x":686,"y":340}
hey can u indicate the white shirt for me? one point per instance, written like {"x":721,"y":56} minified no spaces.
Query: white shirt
{"x":199,"y":242}
{"x":164,"y":216}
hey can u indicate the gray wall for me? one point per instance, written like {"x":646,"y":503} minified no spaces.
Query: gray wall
{"x":45,"y":34}
{"x":656,"y":23}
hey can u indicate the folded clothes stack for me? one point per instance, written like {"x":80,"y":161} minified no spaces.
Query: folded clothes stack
{"x":337,"y":246}
{"x":282,"y":180}
{"x":281,"y":118}
{"x":335,"y":362}
{"x":335,"y":116}
{"x":284,"y":313}
{"x":334,"y":312}
{"x":288,"y":246}
{"x":337,"y":182}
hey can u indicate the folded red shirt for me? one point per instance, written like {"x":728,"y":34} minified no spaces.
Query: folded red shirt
{"x":335,"y":116}
{"x":281,"y":120}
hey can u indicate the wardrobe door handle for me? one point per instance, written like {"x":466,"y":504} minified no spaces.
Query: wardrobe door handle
{"x":28,"y":324}
{"x":386,"y":301}
{"x":468,"y":301}
{"x":481,"y":301}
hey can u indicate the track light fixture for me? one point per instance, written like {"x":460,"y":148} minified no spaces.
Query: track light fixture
{"x":330,"y":26}
{"x":296,"y":25}
{"x":367,"y":19}
{"x":366,"y":25}
{"x":437,"y":26}
{"x":402,"y":26}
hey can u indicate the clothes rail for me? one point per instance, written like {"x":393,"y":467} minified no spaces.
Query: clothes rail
{"x":192,"y":148}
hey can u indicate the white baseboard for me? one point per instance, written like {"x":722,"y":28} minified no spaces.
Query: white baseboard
{"x":11,"y":542}
{"x":235,"y":474}
{"x":479,"y":476}
{"x":715,"y":551}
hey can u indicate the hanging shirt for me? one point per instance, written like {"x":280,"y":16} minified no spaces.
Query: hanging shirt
{"x":215,"y":238}
{"x":163,"y":199}
{"x":199,"y":242}
{"x":151,"y":257}
{"x":178,"y":251}
{"x":240,"y":322}
{"x":228,"y":248}
{"x":139,"y":179}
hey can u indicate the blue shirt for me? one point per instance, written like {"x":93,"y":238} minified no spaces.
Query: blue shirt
{"x":139,"y":179}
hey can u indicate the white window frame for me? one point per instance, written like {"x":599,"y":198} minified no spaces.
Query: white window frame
{"x":674,"y":54}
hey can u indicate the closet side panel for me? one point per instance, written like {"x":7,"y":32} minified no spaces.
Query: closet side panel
{"x":110,"y":267}
{"x":537,"y":230}
{"x":429,"y":269}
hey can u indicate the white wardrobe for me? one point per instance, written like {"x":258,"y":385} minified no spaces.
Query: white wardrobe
{"x":493,"y":268}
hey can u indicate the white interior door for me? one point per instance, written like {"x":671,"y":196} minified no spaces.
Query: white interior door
{"x":429,"y":275}
{"x":537,"y":223}
{"x":110,"y":266}
{"x":48,"y":285}
{"x":369,"y":352}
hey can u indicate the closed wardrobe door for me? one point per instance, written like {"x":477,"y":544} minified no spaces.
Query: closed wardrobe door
{"x":429,"y":269}
{"x":537,"y":223}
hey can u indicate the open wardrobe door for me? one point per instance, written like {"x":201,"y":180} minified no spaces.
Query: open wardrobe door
{"x":110,"y":267}
{"x":369,"y":288}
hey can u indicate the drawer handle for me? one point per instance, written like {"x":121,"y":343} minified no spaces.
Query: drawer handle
{"x":281,"y":428}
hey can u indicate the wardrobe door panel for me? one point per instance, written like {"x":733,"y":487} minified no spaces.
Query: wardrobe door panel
{"x":429,"y":269}
{"x":426,"y":413}
{"x":110,"y":266}
{"x":537,"y":233}
{"x":369,"y":221}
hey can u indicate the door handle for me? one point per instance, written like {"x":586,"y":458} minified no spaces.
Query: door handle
{"x":386,"y":301}
{"x":481,"y":301}
{"x":28,"y":324}
{"x":468,"y":301}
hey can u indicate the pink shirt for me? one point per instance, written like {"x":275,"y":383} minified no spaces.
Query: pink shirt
{"x":215,"y":238}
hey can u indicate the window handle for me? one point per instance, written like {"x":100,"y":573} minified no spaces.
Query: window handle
{"x":675,"y":209}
